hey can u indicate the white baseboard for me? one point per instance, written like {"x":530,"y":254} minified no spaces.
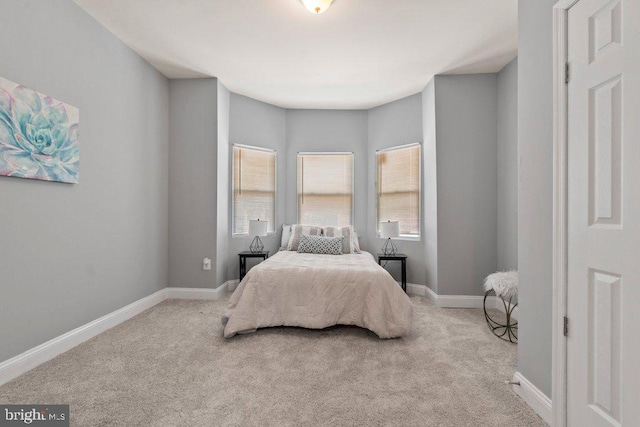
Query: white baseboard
{"x":18,"y":365}
{"x":232,"y":285}
{"x":447,"y":301}
{"x":22,"y":363}
{"x":421,"y":290}
{"x":457,"y":301}
{"x":199,"y":293}
{"x":537,"y":400}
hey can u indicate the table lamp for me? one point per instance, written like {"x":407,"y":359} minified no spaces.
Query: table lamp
{"x":388,"y":230}
{"x":257,"y":228}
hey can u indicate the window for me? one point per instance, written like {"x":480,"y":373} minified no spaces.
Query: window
{"x":254,"y":187}
{"x":398,"y":185}
{"x":325,"y":188}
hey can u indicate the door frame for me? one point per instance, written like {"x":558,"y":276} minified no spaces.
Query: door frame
{"x":560,"y":214}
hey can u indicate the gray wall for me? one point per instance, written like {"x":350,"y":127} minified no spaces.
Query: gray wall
{"x":430,"y":187}
{"x":535,"y":189}
{"x":466,"y":133}
{"x":72,"y":253}
{"x":508,"y":167}
{"x":223,"y":184}
{"x":328,"y":130}
{"x":392,"y":124}
{"x":262,"y":125}
{"x":193,"y":135}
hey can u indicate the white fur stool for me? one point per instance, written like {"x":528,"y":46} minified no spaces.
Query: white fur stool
{"x":505,"y":286}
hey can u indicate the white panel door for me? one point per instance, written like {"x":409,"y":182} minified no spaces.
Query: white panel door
{"x":603,"y":345}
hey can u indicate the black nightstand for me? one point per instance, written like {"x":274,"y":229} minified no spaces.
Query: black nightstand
{"x":248,"y":254}
{"x":397,"y":257}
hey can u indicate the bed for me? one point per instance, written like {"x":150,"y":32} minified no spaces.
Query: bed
{"x":317,"y":291}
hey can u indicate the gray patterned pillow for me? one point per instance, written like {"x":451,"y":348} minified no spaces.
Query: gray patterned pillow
{"x":320,"y":245}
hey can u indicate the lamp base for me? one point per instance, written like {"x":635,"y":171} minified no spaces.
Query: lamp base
{"x":389,"y":248}
{"x":256,"y":245}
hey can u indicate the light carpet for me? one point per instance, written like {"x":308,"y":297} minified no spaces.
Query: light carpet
{"x":170,"y":366}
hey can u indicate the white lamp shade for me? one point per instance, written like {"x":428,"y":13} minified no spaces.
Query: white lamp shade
{"x":317,"y":6}
{"x":257,"y":227}
{"x":389,"y":229}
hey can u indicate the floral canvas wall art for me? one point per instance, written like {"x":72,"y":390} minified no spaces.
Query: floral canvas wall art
{"x":38,"y":135}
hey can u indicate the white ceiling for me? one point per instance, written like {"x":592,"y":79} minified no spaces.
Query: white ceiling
{"x":357,"y":55}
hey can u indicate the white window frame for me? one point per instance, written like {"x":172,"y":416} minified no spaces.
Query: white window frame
{"x":275,"y":193}
{"x":409,"y":237}
{"x":353,"y":176}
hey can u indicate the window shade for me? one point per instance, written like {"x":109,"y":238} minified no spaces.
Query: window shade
{"x":325,"y":189}
{"x":254,"y":187}
{"x":398,"y":183}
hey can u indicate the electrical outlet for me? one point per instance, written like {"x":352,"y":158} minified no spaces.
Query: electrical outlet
{"x":206,"y":264}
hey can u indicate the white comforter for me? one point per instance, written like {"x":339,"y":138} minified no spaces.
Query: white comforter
{"x":317,"y":291}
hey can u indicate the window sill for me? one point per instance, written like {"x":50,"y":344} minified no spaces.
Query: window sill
{"x":405,"y":238}
{"x":245,"y":235}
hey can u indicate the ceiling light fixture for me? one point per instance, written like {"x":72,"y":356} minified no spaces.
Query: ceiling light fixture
{"x":316,"y":6}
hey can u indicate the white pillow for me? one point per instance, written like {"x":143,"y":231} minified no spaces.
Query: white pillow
{"x":297,"y":230}
{"x":347,"y":233}
{"x":356,"y":243}
{"x":286,"y":235}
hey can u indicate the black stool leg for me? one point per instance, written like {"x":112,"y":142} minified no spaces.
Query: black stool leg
{"x":498,"y":329}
